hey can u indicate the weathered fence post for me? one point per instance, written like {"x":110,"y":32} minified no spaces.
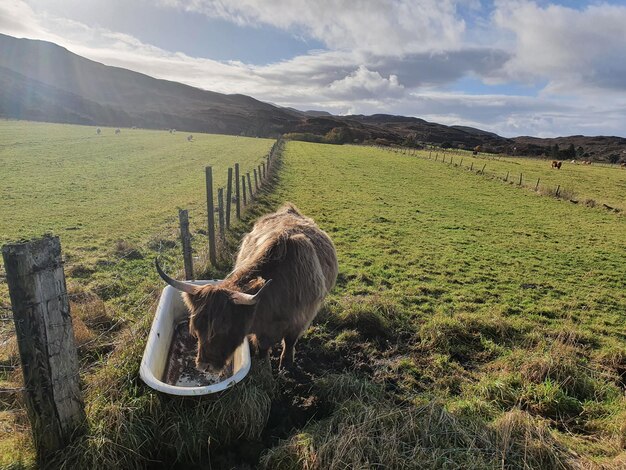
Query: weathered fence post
{"x":220,"y":218}
{"x":520,"y":179}
{"x":243,"y":190}
{"x":537,"y":185}
{"x":229,"y":195}
{"x":210,"y":214}
{"x":185,"y":238}
{"x":45,"y":339}
{"x":482,"y":172}
{"x":263,"y":166}
{"x":237,"y":192}
{"x":507,"y":177}
{"x":558,"y":189}
{"x":249,"y":186}
{"x":256,"y":182}
{"x":472,"y":167}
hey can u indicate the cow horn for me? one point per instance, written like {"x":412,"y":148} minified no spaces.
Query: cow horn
{"x":242,"y":298}
{"x":180,"y":285}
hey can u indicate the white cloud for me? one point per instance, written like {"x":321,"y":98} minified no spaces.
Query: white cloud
{"x":571,"y":49}
{"x":365,"y":84}
{"x":390,"y":27}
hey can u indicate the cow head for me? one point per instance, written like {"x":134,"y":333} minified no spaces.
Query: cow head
{"x":220,"y":318}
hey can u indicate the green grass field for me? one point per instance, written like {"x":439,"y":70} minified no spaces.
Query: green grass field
{"x":113,"y":201}
{"x":474,"y":325}
{"x":601,"y":183}
{"x":496,"y":302}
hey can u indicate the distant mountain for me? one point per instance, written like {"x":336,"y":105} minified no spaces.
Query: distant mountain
{"x":42,"y":81}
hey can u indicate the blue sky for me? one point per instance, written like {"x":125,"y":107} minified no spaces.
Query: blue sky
{"x":515,"y":67}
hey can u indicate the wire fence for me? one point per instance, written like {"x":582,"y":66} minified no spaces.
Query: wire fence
{"x":459,"y":159}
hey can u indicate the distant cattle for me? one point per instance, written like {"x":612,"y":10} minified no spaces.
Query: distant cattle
{"x":117,"y":131}
{"x":556,"y":164}
{"x":573,"y":161}
{"x":623,"y":164}
{"x":189,"y":138}
{"x":98,"y":131}
{"x":586,"y":162}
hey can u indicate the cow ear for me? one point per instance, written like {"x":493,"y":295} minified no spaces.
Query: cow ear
{"x":241,"y":298}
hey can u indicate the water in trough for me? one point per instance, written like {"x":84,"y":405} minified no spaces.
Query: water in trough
{"x":181,"y":369}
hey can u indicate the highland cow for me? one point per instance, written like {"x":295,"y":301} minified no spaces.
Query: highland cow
{"x":285,"y":267}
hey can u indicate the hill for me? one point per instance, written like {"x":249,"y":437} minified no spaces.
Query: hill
{"x":68,"y":88}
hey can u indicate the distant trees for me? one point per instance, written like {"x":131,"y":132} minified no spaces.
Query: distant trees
{"x":562,"y":154}
{"x":554,"y":152}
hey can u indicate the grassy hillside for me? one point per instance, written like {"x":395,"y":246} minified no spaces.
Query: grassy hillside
{"x":473,"y":326}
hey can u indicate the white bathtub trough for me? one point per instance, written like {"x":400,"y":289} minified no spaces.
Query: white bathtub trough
{"x":171,"y":311}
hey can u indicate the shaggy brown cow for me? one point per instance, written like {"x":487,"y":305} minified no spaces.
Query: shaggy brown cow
{"x":556,"y":164}
{"x":285,"y":267}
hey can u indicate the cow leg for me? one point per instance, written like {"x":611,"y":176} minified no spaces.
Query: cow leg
{"x":264,"y":348}
{"x":286,"y":357}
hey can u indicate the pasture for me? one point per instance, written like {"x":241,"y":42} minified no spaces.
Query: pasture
{"x":474,"y":325}
{"x":600,"y":183}
{"x":113,"y":201}
{"x":505,"y":307}
{"x":106,"y":194}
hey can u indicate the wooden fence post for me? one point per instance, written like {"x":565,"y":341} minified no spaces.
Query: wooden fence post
{"x":185,"y":238}
{"x":243,"y":190}
{"x":220,"y":218}
{"x":482,"y":172}
{"x":229,"y":195}
{"x":263,"y":166}
{"x":45,"y":339}
{"x":558,"y":189}
{"x":520,"y":179}
{"x":537,"y":185}
{"x":210,"y":215}
{"x":472,"y":167}
{"x":507,"y":177}
{"x":256,"y":181}
{"x":237,"y":192}
{"x":249,"y":186}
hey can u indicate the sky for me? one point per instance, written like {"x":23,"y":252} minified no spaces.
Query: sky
{"x":514,"y":67}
